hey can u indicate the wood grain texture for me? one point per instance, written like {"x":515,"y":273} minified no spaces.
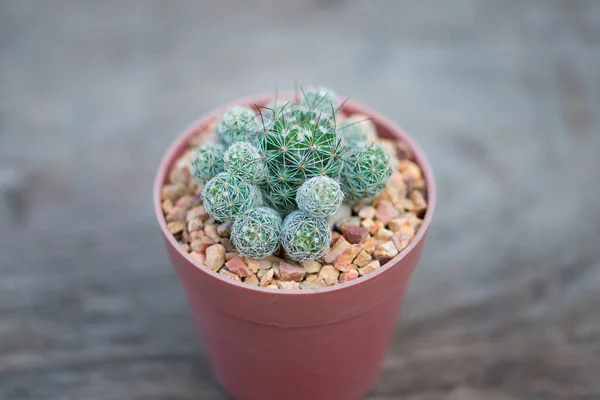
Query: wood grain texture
{"x":503,"y":95}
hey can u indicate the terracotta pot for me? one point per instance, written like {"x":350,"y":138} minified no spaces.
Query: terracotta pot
{"x":314,"y":344}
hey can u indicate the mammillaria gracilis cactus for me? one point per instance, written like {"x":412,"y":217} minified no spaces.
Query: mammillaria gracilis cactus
{"x":355,"y":132}
{"x":207,"y":161}
{"x":367,"y":172}
{"x":238,"y":124}
{"x":244,"y":160}
{"x":227,"y":196}
{"x":320,"y":196}
{"x":296,"y":153}
{"x":256,"y":232}
{"x":297,"y":146}
{"x":305,"y":238}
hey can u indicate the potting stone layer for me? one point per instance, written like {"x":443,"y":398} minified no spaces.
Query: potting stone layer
{"x":366,"y":234}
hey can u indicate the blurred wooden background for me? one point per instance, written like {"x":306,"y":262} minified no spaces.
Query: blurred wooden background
{"x":503,"y":95}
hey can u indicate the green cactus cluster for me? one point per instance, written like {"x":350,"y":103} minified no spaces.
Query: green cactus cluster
{"x":296,"y":159}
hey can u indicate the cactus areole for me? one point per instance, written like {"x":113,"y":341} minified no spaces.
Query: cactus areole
{"x":288,"y":160}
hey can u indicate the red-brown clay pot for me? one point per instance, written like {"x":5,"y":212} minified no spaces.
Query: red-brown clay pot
{"x":318,"y":344}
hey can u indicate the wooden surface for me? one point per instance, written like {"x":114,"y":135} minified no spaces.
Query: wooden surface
{"x":504,"y":96}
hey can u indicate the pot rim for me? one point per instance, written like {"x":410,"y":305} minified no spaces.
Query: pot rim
{"x":182,"y":140}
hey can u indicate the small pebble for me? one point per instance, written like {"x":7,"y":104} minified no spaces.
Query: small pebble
{"x":251,"y":280}
{"x":173,"y":191}
{"x":176,"y":226}
{"x":186,"y":202}
{"x":311,"y":267}
{"x":290,"y":272}
{"x":175,"y":214}
{"x":288,"y":285}
{"x":167,"y":205}
{"x":329,"y":274}
{"x":367,"y":212}
{"x":265,"y":277}
{"x":383,"y":235}
{"x":351,"y":275}
{"x":344,"y":261}
{"x":338,"y":248}
{"x":200,"y":245}
{"x":370,"y":267}
{"x":385,"y":252}
{"x":197,"y":212}
{"x":403,"y":237}
{"x":354,"y":234}
{"x":215,"y":256}
{"x":362,"y":259}
{"x":386,"y":212}
{"x":230,"y":274}
{"x":252,"y":264}
{"x":211,"y":232}
{"x":195,"y":225}
{"x":239,"y":267}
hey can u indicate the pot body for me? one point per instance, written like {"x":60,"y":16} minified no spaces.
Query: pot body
{"x":314,"y":344}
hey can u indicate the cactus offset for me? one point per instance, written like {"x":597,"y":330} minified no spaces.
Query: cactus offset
{"x":367,"y":171}
{"x":238,"y":124}
{"x":245,"y":161}
{"x":355,"y":132}
{"x":226,"y":196}
{"x":256,"y":232}
{"x":320,"y":196}
{"x":305,"y":238}
{"x":207,"y":161}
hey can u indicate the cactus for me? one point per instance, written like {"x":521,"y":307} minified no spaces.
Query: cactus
{"x":356,"y":132}
{"x":294,"y":156}
{"x":281,"y":196}
{"x":207,"y":161}
{"x":238,"y":124}
{"x":367,"y":170}
{"x":297,"y":146}
{"x":227,"y":196}
{"x":256,"y":232}
{"x":244,"y":160}
{"x":320,"y":100}
{"x":320,"y":196}
{"x":305,"y":238}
